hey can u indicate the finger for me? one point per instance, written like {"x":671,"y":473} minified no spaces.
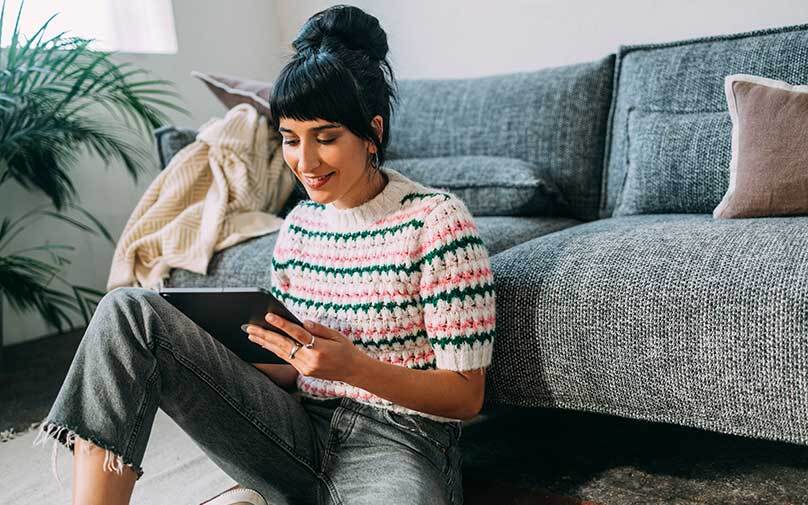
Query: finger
{"x":322,"y":331}
{"x":275,"y":342}
{"x":294,"y":330}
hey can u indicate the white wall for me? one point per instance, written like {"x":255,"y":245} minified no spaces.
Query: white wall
{"x":428,"y":39}
{"x":468,"y":38}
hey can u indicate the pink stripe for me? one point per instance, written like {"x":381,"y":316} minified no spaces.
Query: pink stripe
{"x":282,"y":253}
{"x":448,"y":232}
{"x":399,"y":361}
{"x":467,"y":324}
{"x":442,"y":284}
{"x":314,"y":293}
{"x":447,"y":283}
{"x":388,"y":221}
{"x":400,"y":217}
{"x":325,"y":259}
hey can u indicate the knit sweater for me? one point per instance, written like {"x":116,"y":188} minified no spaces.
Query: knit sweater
{"x":404,"y":275}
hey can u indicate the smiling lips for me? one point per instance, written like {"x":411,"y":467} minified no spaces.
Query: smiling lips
{"x":317,"y":182}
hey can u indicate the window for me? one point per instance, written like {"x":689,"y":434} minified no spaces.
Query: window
{"x":142,"y":26}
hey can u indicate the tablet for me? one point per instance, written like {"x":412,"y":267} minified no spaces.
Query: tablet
{"x":222,"y":311}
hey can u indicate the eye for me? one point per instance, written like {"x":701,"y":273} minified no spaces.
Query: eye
{"x":323,"y":141}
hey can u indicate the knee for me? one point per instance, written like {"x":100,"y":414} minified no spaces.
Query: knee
{"x":125,"y":308}
{"x":126,"y":294}
{"x":131,"y":303}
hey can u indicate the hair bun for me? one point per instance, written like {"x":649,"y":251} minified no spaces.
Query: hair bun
{"x":342,"y":25}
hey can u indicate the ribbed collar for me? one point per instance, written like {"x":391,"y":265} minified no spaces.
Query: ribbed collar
{"x":381,"y":205}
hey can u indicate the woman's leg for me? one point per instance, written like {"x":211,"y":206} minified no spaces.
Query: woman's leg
{"x":378,"y":456}
{"x":92,"y":484}
{"x":140,"y":353}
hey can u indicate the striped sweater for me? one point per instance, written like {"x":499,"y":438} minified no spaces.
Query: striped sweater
{"x":404,"y":275}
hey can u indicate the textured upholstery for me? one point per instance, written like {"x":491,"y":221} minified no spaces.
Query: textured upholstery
{"x":669,"y":126}
{"x":553,"y":118}
{"x":672,"y":317}
{"x":488,"y":185}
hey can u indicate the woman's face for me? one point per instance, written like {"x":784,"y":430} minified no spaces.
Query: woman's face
{"x":318,"y":148}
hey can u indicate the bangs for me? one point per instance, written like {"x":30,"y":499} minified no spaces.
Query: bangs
{"x":316,"y":88}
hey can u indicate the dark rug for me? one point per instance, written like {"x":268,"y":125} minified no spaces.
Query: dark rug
{"x":519,"y":456}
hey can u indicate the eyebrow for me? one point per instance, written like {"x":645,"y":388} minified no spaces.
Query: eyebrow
{"x":315,"y":128}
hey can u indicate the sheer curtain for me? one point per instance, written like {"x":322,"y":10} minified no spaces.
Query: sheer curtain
{"x":130,"y":26}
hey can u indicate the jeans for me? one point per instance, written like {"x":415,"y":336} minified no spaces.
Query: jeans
{"x":140,"y":353}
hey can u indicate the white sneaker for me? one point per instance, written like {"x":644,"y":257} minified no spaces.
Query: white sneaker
{"x":237,"y":496}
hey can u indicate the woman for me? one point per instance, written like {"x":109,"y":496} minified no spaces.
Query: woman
{"x":395,"y":288}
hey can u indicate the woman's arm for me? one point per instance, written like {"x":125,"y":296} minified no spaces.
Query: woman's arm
{"x":445,"y":393}
{"x":283,"y":375}
{"x":441,"y":392}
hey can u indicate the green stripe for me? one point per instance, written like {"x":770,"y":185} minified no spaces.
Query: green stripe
{"x":459,"y":293}
{"x":459,"y":340}
{"x":392,"y":267}
{"x":277,"y":265}
{"x":414,"y":223}
{"x":451,"y":246}
{"x":412,"y":196}
{"x":364,"y":307}
{"x":311,"y":203}
{"x":409,"y":196}
{"x":389,"y":341}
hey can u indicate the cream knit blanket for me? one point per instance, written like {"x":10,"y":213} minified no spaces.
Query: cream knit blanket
{"x":225,"y":187}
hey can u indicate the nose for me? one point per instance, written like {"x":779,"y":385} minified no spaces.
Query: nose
{"x":309,"y":157}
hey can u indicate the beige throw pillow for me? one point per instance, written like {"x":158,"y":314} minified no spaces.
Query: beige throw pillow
{"x":232,"y":90}
{"x":769,"y":167}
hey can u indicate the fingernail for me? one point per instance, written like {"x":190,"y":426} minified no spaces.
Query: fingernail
{"x":271,"y":317}
{"x":244,"y":328}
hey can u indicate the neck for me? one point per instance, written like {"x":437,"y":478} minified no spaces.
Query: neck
{"x":394,"y":187}
{"x":376,"y":186}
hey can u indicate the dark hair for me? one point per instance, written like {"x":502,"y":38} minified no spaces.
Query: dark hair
{"x":338,"y":74}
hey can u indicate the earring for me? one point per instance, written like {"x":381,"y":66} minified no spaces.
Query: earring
{"x":374,"y":162}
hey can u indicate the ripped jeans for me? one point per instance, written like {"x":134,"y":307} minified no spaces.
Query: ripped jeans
{"x":140,"y":353}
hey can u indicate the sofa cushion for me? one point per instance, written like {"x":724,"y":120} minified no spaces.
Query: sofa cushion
{"x":768,"y":172}
{"x":247,"y":263}
{"x":488,"y":185}
{"x":554,"y":119}
{"x":678,"y":318}
{"x":232,"y":90}
{"x":675,"y":162}
{"x":677,"y":90}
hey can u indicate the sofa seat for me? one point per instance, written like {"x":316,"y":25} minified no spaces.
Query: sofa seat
{"x":247,"y":263}
{"x":677,"y":318}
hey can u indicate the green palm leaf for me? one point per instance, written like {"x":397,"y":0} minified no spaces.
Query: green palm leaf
{"x":58,"y":96}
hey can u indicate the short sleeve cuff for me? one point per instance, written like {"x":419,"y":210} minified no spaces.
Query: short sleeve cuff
{"x":464,"y":357}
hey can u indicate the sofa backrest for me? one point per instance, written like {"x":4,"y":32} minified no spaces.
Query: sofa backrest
{"x":669,"y":133}
{"x":554,"y":118}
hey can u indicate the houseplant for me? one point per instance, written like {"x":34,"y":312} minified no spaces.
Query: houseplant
{"x":52,"y":92}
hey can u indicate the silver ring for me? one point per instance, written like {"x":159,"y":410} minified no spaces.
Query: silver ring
{"x":294,"y":350}
{"x":310,"y":344}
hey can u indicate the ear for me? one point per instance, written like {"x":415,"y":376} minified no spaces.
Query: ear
{"x":378,"y":124}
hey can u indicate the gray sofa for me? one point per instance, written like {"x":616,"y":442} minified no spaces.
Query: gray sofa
{"x":625,"y":296}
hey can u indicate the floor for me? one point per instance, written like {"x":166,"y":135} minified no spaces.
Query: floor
{"x":521,"y":456}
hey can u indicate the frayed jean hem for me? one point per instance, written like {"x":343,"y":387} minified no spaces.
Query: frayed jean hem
{"x":59,"y":432}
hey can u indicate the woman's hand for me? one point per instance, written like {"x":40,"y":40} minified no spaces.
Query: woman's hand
{"x":333,"y":356}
